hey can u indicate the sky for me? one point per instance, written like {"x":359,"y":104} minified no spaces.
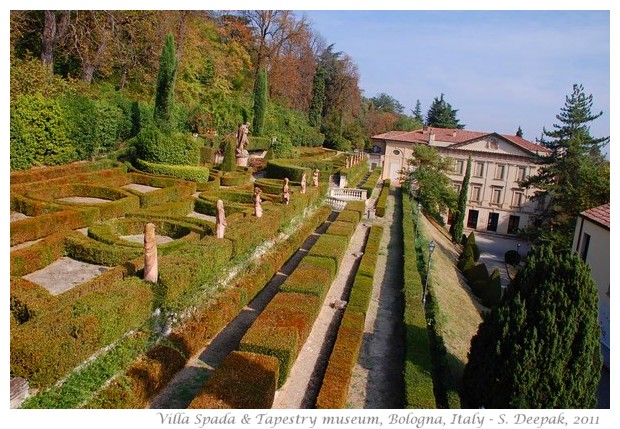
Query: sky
{"x":499,"y":69}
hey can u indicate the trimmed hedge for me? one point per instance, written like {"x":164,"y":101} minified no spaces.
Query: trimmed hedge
{"x":46,"y":348}
{"x":370,"y":183}
{"x":243,"y":381}
{"x":28,"y":300}
{"x":70,"y":170}
{"x":335,"y":386}
{"x":382,"y":200}
{"x":30,"y":229}
{"x":186,"y":172}
{"x":281,"y":168}
{"x":308,"y":278}
{"x":345,"y":229}
{"x":330,"y":246}
{"x":39,"y":255}
{"x":277,"y":341}
{"x":417,"y":373}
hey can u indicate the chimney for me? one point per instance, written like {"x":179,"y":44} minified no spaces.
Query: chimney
{"x":454,"y":133}
{"x":425,"y":129}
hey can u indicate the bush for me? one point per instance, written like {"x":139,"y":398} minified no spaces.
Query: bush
{"x":185,"y":172}
{"x":40,"y":133}
{"x":243,"y":380}
{"x":176,"y":148}
{"x":382,"y":200}
{"x":512,"y":257}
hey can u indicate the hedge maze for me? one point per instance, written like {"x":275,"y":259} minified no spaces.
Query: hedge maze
{"x":114,"y":340}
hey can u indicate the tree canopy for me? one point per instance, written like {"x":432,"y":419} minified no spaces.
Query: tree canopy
{"x":574,"y":176}
{"x":540,"y":347}
{"x":442,"y":115}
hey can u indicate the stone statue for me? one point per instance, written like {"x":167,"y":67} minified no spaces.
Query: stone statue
{"x":303,"y":183}
{"x":150,"y":253}
{"x":315,"y":177}
{"x":242,"y":138}
{"x":258,"y":208}
{"x":220,"y":219}
{"x":286,"y":196}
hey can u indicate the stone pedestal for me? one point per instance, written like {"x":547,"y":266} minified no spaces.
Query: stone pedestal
{"x":242,"y":159}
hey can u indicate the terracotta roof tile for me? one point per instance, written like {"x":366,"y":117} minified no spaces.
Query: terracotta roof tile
{"x":454,"y":136}
{"x":598,"y":214}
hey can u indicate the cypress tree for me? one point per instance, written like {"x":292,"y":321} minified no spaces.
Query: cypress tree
{"x":318,"y":97}
{"x":260,"y":103}
{"x":230,"y":157}
{"x":417,"y":112}
{"x":540,"y":347}
{"x":164,"y":93}
{"x":457,"y":226}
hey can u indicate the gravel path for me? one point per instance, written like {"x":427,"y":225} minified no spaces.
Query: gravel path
{"x":377,"y":377}
{"x":304,"y":382}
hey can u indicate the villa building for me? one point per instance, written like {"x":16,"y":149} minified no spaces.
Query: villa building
{"x":496,"y":203}
{"x":591,"y":241}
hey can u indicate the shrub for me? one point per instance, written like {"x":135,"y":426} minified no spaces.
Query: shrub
{"x":176,"y":148}
{"x":512,"y":257}
{"x":185,"y":172}
{"x":330,"y":246}
{"x":382,"y":200}
{"x":40,"y":133}
{"x":243,"y":380}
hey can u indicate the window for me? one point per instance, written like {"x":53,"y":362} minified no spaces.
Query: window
{"x":496,"y":196}
{"x":457,"y":187}
{"x":518,"y":198}
{"x":476,"y":193}
{"x":585,"y":245}
{"x":479,"y":169}
{"x":458,"y":166}
{"x":396,"y":152}
{"x":472,"y":219}
{"x":499,"y":171}
{"x":493,"y":221}
{"x":520,"y":174}
{"x":513,"y":224}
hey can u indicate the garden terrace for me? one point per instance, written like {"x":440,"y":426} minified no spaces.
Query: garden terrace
{"x":54,"y":333}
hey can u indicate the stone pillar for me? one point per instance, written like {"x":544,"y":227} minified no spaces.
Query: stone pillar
{"x":150,"y":253}
{"x":242,"y":160}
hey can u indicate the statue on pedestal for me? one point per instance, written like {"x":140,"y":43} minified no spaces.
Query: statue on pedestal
{"x":286,"y":196}
{"x":150,"y":253}
{"x":303,"y":183}
{"x":258,"y":208}
{"x":315,"y":177}
{"x":220,"y":219}
{"x":242,"y":138}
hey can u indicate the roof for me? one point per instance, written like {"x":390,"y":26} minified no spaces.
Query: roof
{"x":454,"y":136}
{"x":599,"y":215}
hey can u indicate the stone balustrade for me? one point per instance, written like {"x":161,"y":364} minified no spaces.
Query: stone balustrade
{"x":348,"y":194}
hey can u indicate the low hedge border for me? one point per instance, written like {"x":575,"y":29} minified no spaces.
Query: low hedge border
{"x":39,"y":255}
{"x":243,"y":381}
{"x":418,"y":369}
{"x":30,"y":229}
{"x":236,"y":178}
{"x":345,"y":229}
{"x":330,"y":246}
{"x":369,"y":184}
{"x":186,"y":172}
{"x":382,"y":200}
{"x":28,"y":300}
{"x":111,"y":231}
{"x":47,"y":173}
{"x":355,"y":173}
{"x":336,"y":380}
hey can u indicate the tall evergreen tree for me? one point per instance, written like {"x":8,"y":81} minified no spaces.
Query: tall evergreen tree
{"x":442,"y":115}
{"x":260,"y":103}
{"x":540,"y":347}
{"x":164,"y":93}
{"x":318,"y":97}
{"x":417,"y":111}
{"x":456,"y":229}
{"x":574,"y":176}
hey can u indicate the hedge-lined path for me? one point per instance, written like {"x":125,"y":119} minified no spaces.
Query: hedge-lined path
{"x":187,"y":383}
{"x":377,"y":379}
{"x":304,"y":381}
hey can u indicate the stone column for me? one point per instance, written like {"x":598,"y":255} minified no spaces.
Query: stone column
{"x":150,"y":253}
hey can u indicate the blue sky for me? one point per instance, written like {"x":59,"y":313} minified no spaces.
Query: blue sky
{"x":500,"y":69}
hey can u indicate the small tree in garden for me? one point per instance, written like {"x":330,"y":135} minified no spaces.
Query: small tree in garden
{"x":540,"y":347}
{"x":164,"y":93}
{"x":230,"y":160}
{"x":260,"y":103}
{"x":456,"y":229}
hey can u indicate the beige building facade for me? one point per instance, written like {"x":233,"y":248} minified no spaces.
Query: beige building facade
{"x":496,"y":203}
{"x":591,"y":241}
